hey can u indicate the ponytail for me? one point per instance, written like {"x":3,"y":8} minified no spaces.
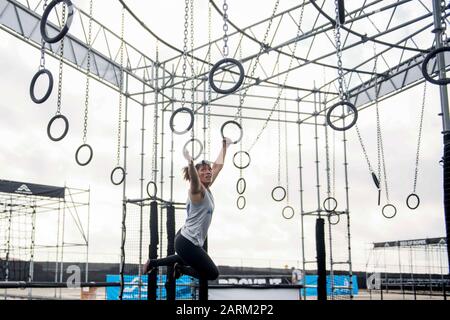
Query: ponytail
{"x":186,"y":174}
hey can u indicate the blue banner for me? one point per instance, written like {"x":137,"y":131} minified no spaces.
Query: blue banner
{"x":339,"y":281}
{"x":131,"y":289}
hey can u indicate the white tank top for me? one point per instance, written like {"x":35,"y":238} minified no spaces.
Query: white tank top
{"x":198,"y":219}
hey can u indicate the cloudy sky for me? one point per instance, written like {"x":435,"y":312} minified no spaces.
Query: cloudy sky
{"x":258,"y":235}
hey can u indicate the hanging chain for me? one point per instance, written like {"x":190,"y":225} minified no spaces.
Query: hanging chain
{"x":363,"y":148}
{"x":443,"y":23}
{"x":185,"y":41}
{"x":155,"y":136}
{"x":122,"y":49}
{"x":61,"y":56}
{"x":384,"y":168}
{"x":240,"y":122}
{"x":378,"y":125}
{"x":380,"y":147}
{"x":88,"y":74}
{"x":280,"y":92}
{"x":192,"y":60}
{"x":209,"y":86}
{"x":327,"y":155}
{"x":261,"y":50}
{"x":337,"y":38}
{"x":377,"y":111}
{"x":42,"y":62}
{"x":419,"y":139}
{"x":226,"y":50}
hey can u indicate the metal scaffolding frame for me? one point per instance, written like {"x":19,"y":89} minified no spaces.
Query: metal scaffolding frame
{"x":74,"y":204}
{"x":162,"y":78}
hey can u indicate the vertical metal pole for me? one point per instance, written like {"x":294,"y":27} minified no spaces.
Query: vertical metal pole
{"x":88,"y":230}
{"x":316,"y":138}
{"x":171,"y":138}
{"x":124,"y":194}
{"x":347,"y":212}
{"x":63,"y":236}
{"x":437,"y":10}
{"x":320,"y":232}
{"x":141,"y":188}
{"x":330,"y":235}
{"x":33,"y":238}
{"x":204,"y":104}
{"x":400,"y":271}
{"x":161,"y":189}
{"x":57,"y":244}
{"x":302,"y":211}
{"x":8,"y":245}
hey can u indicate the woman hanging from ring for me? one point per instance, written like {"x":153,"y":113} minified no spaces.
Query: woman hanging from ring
{"x":190,"y":258}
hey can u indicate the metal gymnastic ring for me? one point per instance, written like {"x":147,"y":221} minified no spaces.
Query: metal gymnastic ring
{"x":201,"y":147}
{"x":386,"y":206}
{"x":425,"y":65}
{"x":236,"y":124}
{"x":49,"y":89}
{"x":66,"y":128}
{"x":237,"y":185}
{"x":234,"y":159}
{"x":284,"y":195}
{"x":112,"y":175}
{"x":91,"y":154}
{"x":342,"y":103}
{"x":413,"y":195}
{"x":326,"y":201}
{"x":284,"y":214}
{"x":156,"y":189}
{"x":238,"y":83}
{"x":191,"y":113}
{"x":331,"y":214}
{"x":66,"y":27}
{"x":237,"y":202}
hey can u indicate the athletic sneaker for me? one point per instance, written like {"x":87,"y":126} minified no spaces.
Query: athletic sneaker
{"x":176,"y":271}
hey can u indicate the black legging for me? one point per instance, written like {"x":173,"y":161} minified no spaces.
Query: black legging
{"x":193,"y":260}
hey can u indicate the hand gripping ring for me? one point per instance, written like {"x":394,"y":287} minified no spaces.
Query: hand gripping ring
{"x":91,"y":153}
{"x":49,"y":89}
{"x":413,"y":195}
{"x":330,"y":200}
{"x":66,"y":128}
{"x":244,"y":202}
{"x":237,"y":186}
{"x":384,"y":209}
{"x":234,"y":160}
{"x":284,"y":193}
{"x":155,"y":188}
{"x":66,"y":27}
{"x":342,"y":103}
{"x":238,"y":83}
{"x":333,"y":214}
{"x":201,"y":148}
{"x":288,"y":215}
{"x":236,"y":124}
{"x":425,"y":67}
{"x":183,"y":109}
{"x":122,"y":170}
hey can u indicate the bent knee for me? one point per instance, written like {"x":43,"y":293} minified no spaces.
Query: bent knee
{"x":213,"y":274}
